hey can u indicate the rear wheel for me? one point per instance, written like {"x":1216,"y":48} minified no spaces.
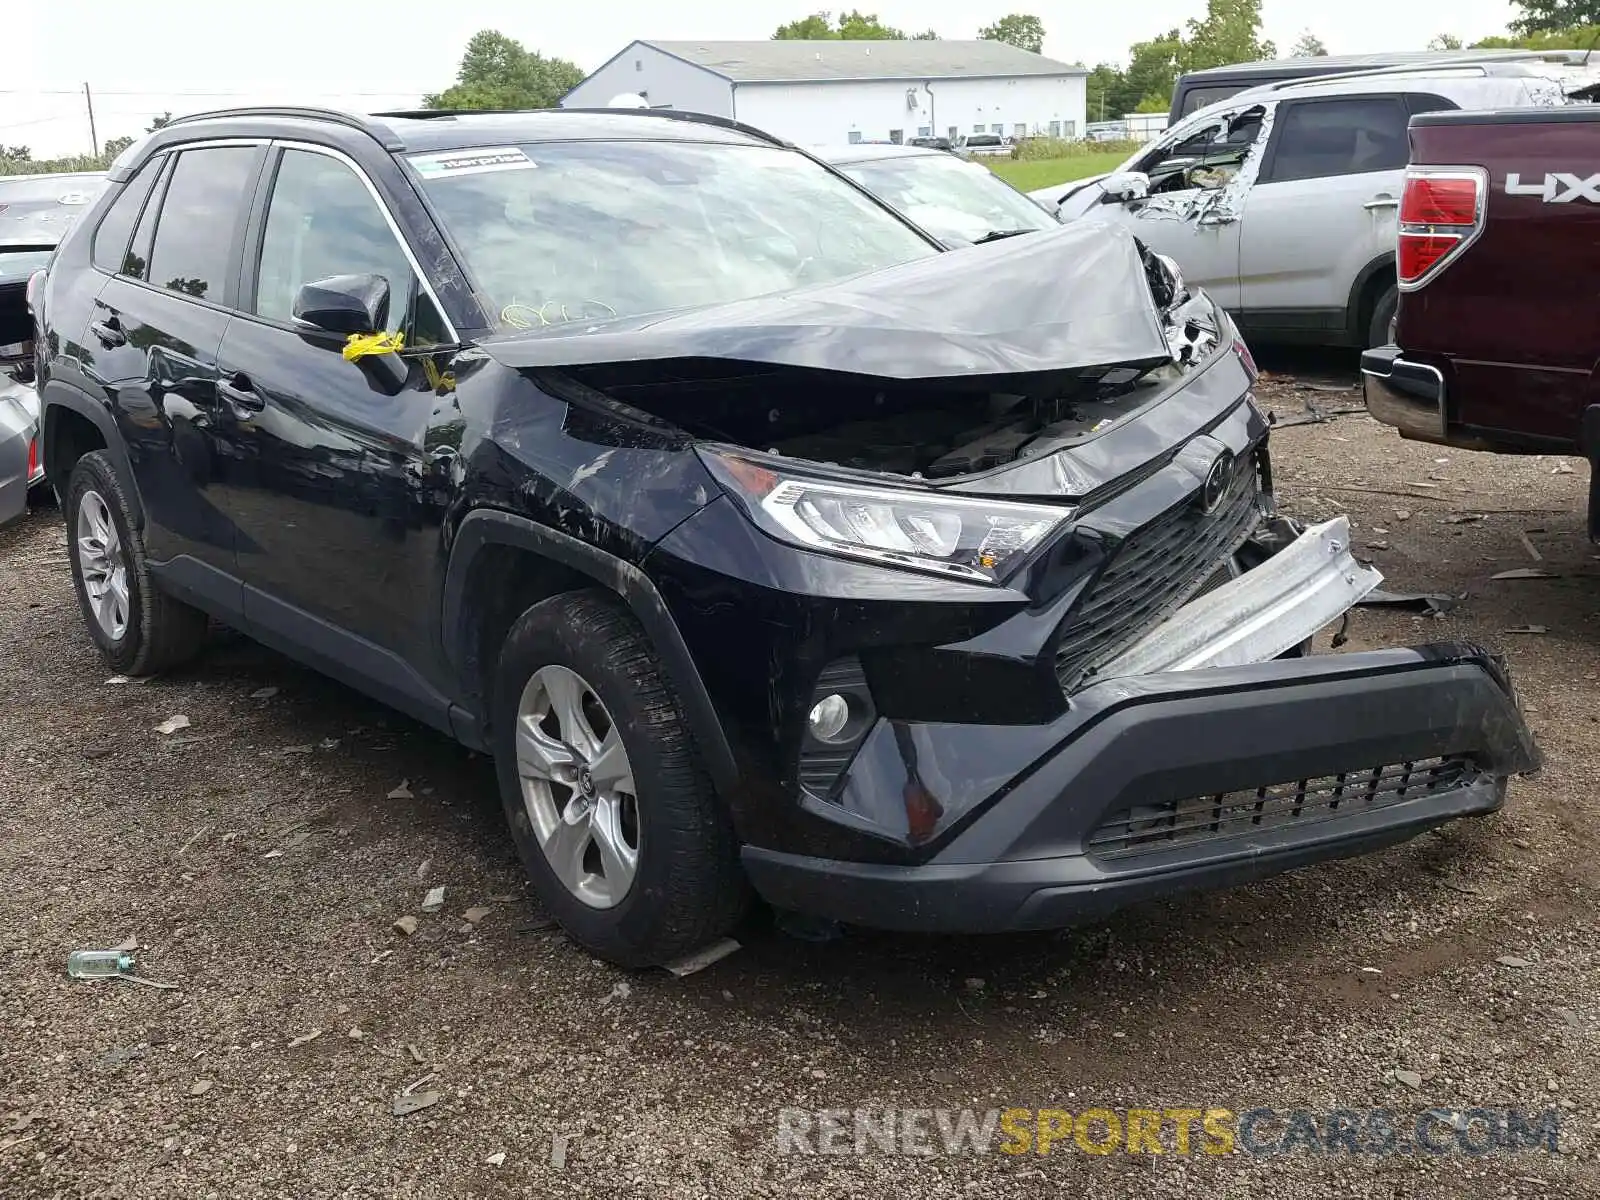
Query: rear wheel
{"x":139,"y":629}
{"x":1380,"y":330}
{"x":612,"y":812}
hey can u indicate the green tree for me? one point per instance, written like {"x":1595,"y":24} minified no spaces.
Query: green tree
{"x":1230,"y":33}
{"x":1309,"y":46}
{"x":1022,"y":30}
{"x":497,"y":72}
{"x":1098,"y":87}
{"x":115,"y":146}
{"x":1445,"y":41}
{"x":1153,"y":104}
{"x":160,"y":122}
{"x":927,"y":35}
{"x":1581,"y":38}
{"x":1555,"y":16}
{"x":853,"y":26}
{"x":1151,"y":73}
{"x":16,"y":154}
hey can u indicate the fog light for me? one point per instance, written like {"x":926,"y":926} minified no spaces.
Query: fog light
{"x":829,"y":717}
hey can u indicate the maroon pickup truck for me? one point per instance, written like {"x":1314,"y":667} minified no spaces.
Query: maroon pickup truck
{"x":1497,"y":339}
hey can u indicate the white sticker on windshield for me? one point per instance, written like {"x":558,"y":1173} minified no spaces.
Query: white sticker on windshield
{"x":471,"y":162}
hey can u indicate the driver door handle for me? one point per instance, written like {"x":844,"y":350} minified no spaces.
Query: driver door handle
{"x":240,"y":396}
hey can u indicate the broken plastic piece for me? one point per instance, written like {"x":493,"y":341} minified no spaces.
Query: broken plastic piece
{"x":703,"y":957}
{"x":1423,"y":602}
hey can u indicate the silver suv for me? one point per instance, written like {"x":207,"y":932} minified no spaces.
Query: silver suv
{"x":1282,"y":201}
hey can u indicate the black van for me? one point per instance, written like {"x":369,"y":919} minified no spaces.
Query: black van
{"x":1200,"y":88}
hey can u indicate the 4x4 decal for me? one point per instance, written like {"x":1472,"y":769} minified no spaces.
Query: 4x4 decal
{"x":1551,"y":189}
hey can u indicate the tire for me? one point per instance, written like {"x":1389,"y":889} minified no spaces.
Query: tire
{"x":158,"y":632}
{"x":686,"y":886}
{"x":1379,"y":332}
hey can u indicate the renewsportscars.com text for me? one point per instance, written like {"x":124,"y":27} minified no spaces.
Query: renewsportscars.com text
{"x":1180,"y":1131}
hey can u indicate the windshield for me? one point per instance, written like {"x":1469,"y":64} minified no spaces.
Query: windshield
{"x":579,"y":231}
{"x":951,"y":198}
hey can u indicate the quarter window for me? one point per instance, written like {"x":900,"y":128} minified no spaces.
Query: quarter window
{"x":322,"y":221}
{"x":193,"y":248}
{"x":1326,"y":138}
{"x":116,"y":227}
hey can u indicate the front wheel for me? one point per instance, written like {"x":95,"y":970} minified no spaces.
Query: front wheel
{"x":612,"y":812}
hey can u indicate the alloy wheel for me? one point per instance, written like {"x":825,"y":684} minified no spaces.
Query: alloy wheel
{"x":577,"y":786}
{"x":103,"y":565}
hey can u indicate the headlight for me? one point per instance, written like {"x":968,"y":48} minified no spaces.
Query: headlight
{"x":924,"y":531}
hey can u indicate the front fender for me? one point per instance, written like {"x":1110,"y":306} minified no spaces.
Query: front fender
{"x":490,"y":527}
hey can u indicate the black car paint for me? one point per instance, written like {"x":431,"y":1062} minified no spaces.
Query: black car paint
{"x":411,"y":486}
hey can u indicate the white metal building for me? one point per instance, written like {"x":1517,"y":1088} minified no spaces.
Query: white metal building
{"x":829,"y":92}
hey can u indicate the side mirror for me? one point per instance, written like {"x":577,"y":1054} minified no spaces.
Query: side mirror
{"x":344,"y":304}
{"x":1125,"y":186}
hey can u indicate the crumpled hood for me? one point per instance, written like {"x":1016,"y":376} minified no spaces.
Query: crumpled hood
{"x":1055,"y":300}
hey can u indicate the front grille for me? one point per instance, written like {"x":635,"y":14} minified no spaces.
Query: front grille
{"x":1159,"y":567}
{"x":1149,"y":829}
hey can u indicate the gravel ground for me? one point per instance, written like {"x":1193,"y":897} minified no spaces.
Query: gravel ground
{"x":261,"y":856}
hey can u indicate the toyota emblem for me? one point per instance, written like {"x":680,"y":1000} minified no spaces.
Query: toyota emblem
{"x":1216,"y":484}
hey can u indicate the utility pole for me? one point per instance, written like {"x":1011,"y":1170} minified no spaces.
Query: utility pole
{"x":94,"y":140}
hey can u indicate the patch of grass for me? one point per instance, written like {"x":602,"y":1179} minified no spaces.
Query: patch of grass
{"x":1027,"y":176}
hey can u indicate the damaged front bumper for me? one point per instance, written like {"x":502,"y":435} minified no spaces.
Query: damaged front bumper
{"x":1156,"y":784}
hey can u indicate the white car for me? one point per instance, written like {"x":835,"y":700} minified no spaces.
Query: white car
{"x":35,"y":210}
{"x":1282,"y":201}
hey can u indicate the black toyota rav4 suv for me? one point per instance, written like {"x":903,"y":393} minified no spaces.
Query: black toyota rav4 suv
{"x":766,"y":545}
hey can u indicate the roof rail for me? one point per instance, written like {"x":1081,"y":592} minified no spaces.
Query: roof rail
{"x":383,"y":135}
{"x":667,"y":114}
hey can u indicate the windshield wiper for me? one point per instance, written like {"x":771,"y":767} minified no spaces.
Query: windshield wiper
{"x":994,"y":235}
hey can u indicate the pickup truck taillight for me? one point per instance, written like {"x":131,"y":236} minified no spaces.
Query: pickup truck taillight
{"x":1441,"y":214}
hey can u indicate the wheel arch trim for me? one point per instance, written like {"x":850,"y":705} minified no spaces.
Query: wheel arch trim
{"x":58,"y":395}
{"x":482,"y":528}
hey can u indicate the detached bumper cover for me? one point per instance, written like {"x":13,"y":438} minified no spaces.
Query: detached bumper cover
{"x":1309,"y":583}
{"x":1157,"y":784}
{"x":1410,"y":396}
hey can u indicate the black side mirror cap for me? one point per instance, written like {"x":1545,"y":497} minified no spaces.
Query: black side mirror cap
{"x":344,"y":304}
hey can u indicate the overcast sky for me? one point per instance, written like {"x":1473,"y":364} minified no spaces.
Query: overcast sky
{"x":190,"y":55}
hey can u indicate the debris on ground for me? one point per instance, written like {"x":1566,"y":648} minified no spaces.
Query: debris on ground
{"x":1464,"y":519}
{"x":1562,"y":468}
{"x":149,"y":983}
{"x":403,"y":792}
{"x":558,"y":1151}
{"x":304,"y":1038}
{"x":497,"y":1159}
{"x":266,"y":693}
{"x":620,"y":990}
{"x":1527,"y":544}
{"x":1411,"y":1079}
{"x":473,"y":915}
{"x":1422,"y":602}
{"x":416,"y":1055}
{"x":1512,"y":961}
{"x":1525,"y":573}
{"x":410,"y":1100}
{"x":1526,"y":629}
{"x":98,"y":964}
{"x":173,"y":724}
{"x":434,"y":900}
{"x":703,"y":958}
{"x":117,"y":680}
{"x":200,"y":1087}
{"x":406,"y":926}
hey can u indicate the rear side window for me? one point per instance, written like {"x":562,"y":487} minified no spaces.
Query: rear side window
{"x":116,"y":227}
{"x":200,"y":214}
{"x":1197,"y":98}
{"x":1325,"y":138}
